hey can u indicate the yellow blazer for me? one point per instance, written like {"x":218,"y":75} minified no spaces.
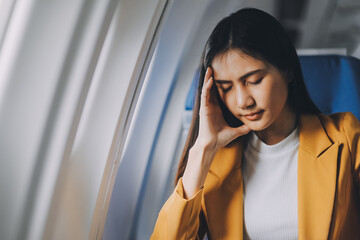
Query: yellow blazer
{"x":328,"y":188}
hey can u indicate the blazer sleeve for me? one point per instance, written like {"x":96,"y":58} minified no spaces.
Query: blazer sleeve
{"x":179,"y":217}
{"x":352,"y":131}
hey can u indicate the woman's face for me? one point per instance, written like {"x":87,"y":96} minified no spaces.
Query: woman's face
{"x":255,"y":92}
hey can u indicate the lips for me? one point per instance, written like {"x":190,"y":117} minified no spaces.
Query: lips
{"x":254,"y":116}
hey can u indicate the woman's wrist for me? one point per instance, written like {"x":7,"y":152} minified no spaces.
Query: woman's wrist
{"x":207,"y":148}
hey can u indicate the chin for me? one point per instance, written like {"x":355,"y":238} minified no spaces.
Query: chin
{"x":257,"y":126}
{"x":255,"y":129}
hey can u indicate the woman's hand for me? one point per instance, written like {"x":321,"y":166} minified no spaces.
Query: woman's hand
{"x":214,"y":132}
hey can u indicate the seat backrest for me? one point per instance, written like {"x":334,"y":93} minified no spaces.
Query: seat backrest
{"x":333,"y":82}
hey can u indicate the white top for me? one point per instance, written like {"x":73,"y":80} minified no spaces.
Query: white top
{"x":270,"y":188}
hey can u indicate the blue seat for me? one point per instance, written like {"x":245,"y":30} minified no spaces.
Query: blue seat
{"x":333,"y":82}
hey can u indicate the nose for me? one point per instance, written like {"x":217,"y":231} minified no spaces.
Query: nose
{"x":243,"y":98}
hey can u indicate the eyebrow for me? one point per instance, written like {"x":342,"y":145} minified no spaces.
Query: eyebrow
{"x":243,"y":77}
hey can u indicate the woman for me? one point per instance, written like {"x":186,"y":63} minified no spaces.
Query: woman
{"x":261,"y":161}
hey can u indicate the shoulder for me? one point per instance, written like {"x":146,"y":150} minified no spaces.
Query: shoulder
{"x":339,"y":120}
{"x":341,"y":125}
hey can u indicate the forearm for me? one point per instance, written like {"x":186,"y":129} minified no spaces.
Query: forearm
{"x":198,"y":165}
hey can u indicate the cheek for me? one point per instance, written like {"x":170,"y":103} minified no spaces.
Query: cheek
{"x":282,"y":91}
{"x":272,"y":96}
{"x":229,"y":100}
{"x":278,"y":95}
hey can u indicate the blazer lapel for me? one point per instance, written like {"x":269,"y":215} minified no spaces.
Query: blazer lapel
{"x":317,"y":173}
{"x":223,"y":194}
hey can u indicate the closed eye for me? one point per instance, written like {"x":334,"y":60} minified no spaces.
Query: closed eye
{"x":256,"y":82}
{"x":224,"y":86}
{"x":225,"y":90}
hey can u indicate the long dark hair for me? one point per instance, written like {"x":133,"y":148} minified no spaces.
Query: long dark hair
{"x":259,"y":35}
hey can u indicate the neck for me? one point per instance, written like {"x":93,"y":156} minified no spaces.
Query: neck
{"x":280,"y":128}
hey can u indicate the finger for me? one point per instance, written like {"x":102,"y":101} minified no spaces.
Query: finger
{"x":208,"y":74}
{"x":242,"y":130}
{"x":214,"y":94}
{"x":228,"y":134}
{"x":206,"y":92}
{"x":237,"y":132}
